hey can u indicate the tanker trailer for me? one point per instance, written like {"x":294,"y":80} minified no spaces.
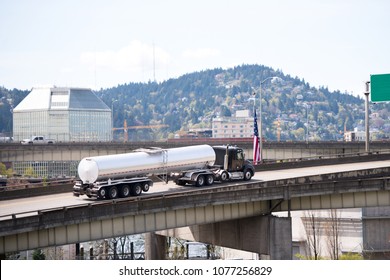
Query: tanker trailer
{"x":122,"y":175}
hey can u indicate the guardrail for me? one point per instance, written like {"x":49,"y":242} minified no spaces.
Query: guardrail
{"x":43,"y":187}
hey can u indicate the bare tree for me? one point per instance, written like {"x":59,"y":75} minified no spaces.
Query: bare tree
{"x":332,"y":231}
{"x":313,"y":232}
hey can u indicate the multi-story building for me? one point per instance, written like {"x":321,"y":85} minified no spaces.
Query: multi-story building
{"x":240,"y":126}
{"x":64,"y":114}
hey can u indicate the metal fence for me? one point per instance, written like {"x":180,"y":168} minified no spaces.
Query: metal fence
{"x":45,"y":169}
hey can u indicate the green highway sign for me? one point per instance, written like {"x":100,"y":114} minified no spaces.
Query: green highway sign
{"x":380,"y":88}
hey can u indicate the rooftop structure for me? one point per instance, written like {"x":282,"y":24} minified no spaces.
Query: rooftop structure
{"x":64,"y":114}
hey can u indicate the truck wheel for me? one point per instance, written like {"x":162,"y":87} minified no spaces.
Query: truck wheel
{"x":209,"y":180}
{"x":101,"y":193}
{"x":200,"y":181}
{"x":125,"y":191}
{"x":247,"y":175}
{"x":181,"y":183}
{"x":146,"y":187}
{"x":224,"y":176}
{"x":113,"y":192}
{"x":136,"y":190}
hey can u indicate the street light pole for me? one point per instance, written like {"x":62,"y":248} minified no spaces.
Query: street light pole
{"x":261,"y":114}
{"x":367,"y":93}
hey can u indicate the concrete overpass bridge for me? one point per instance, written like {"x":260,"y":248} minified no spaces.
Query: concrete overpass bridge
{"x":227,"y":214}
{"x":61,"y":159}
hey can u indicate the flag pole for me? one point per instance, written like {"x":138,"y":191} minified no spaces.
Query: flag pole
{"x":256,"y":143}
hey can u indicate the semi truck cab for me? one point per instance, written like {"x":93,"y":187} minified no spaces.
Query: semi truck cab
{"x":231,"y":160}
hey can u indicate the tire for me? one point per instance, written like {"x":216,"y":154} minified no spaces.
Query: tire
{"x":247,"y":175}
{"x":102,"y":193}
{"x":209,"y":180}
{"x":136,"y":190}
{"x":113,"y":192}
{"x":224,"y":176}
{"x":181,"y":183}
{"x":200,"y":181}
{"x":125,"y":191}
{"x":146,"y":187}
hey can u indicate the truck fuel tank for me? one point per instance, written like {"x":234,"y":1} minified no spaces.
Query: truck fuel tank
{"x":144,"y":162}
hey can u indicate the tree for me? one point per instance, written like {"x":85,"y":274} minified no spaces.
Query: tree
{"x":332,"y":231}
{"x":38,"y":255}
{"x":299,"y":134}
{"x":225,"y":112}
{"x":313,"y":232}
{"x":4,"y":170}
{"x":30,"y":172}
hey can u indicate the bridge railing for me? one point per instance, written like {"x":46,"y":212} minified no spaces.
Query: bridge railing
{"x":272,"y":164}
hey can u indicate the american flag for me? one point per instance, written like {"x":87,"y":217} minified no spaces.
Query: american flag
{"x":256,"y":142}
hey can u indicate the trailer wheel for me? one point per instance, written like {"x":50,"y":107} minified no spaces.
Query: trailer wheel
{"x":101,"y":193}
{"x":209,"y":180}
{"x":125,"y":191}
{"x":200,"y":181}
{"x":247,"y":175}
{"x":146,"y":187}
{"x":136,"y":189}
{"x":113,"y":192}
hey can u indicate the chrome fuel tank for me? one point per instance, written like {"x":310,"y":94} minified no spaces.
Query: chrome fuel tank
{"x":155,"y":161}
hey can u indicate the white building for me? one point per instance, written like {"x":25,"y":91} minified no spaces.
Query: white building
{"x":240,"y":126}
{"x":356,"y":135}
{"x":64,"y":114}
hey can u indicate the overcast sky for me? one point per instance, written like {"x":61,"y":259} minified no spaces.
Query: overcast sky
{"x":100,"y":44}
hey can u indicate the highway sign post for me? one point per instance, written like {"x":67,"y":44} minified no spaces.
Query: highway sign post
{"x":380,"y":88}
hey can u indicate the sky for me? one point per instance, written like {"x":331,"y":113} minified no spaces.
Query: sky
{"x":100,"y":44}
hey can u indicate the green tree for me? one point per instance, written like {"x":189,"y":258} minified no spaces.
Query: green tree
{"x":4,"y":170}
{"x":225,"y":112}
{"x":38,"y":254}
{"x":30,"y":172}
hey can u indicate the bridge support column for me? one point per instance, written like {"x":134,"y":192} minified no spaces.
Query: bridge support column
{"x":376,"y":233}
{"x":269,"y":236}
{"x":155,"y":246}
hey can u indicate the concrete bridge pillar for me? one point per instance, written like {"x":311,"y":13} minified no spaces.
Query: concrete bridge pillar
{"x":269,"y":236}
{"x":155,"y":246}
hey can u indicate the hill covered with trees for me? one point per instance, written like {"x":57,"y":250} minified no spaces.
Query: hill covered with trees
{"x":193,"y":100}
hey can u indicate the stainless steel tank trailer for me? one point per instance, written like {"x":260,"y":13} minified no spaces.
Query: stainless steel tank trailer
{"x":129,"y":174}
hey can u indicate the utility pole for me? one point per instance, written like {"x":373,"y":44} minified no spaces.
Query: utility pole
{"x":367,"y":93}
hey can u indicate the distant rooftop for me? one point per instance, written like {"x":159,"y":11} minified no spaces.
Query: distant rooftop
{"x":61,"y":98}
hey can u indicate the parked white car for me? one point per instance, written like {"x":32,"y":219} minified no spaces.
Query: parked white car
{"x":37,"y":140}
